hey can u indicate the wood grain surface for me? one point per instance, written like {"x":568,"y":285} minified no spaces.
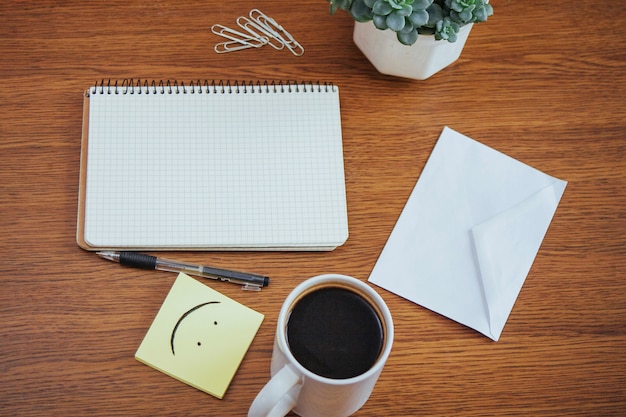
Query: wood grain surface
{"x":544,"y":82}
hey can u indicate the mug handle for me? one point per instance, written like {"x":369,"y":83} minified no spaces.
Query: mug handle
{"x":279,"y":395}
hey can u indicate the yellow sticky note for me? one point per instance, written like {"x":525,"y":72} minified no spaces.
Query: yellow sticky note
{"x":199,"y":336}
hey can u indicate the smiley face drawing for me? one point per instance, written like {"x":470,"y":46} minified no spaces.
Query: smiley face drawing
{"x":203,"y":331}
{"x":187,"y":313}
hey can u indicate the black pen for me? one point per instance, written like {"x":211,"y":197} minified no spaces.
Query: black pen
{"x":249,"y":281}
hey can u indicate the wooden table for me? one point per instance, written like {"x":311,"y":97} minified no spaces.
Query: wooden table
{"x":544,"y":82}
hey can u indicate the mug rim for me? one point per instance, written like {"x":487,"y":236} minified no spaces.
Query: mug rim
{"x":281,"y":336}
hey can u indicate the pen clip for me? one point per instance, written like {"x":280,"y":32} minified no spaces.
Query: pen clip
{"x":251,"y":287}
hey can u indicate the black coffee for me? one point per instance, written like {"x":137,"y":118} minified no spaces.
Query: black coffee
{"x":335,"y":333}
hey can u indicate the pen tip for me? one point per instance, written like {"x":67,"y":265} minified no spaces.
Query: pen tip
{"x":266,"y":281}
{"x":111,"y":256}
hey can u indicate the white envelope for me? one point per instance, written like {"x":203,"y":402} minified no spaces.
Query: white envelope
{"x":469,"y":233}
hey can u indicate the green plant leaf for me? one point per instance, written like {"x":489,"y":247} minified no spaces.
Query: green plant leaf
{"x":339,"y":4}
{"x":395,"y":21}
{"x":408,"y":26}
{"x":382,"y":8}
{"x":422,"y":4}
{"x":407,"y":38}
{"x":394,"y":4}
{"x":481,"y":14}
{"x":406,"y":10}
{"x":380,"y":21}
{"x":435,"y":14}
{"x":465,"y":15}
{"x":360,"y":12}
{"x":419,"y":18}
{"x":447,"y":29}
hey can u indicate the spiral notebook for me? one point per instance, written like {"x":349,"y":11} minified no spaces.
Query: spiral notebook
{"x":212,"y":166}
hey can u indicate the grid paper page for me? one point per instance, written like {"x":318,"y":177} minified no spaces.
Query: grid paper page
{"x":215,"y":170}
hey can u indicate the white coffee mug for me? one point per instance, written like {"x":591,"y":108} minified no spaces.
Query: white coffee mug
{"x":295,"y":388}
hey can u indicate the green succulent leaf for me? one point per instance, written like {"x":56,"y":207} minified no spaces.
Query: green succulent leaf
{"x":380,"y":21}
{"x":394,"y":4}
{"x":407,"y":38}
{"x":408,"y":26}
{"x":454,"y":5}
{"x":447,"y":29}
{"x":435,"y":14}
{"x":370,"y":3}
{"x":339,"y":4}
{"x":406,"y":10}
{"x":395,"y":21}
{"x":419,"y":18}
{"x":382,"y":8}
{"x":360,"y":12}
{"x":466,"y":15}
{"x":467,"y":11}
{"x":422,"y":4}
{"x":482,"y":13}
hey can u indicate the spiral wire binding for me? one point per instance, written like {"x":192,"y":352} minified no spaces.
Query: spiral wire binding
{"x":131,"y":86}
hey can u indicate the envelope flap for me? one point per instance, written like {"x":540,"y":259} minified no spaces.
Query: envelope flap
{"x":505,"y":247}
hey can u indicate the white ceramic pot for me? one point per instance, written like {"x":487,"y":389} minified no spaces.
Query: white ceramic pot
{"x":418,"y":61}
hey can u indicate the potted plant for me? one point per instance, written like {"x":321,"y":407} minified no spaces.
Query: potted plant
{"x":412,"y":38}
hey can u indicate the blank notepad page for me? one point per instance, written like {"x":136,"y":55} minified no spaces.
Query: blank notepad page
{"x":215,"y":168}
